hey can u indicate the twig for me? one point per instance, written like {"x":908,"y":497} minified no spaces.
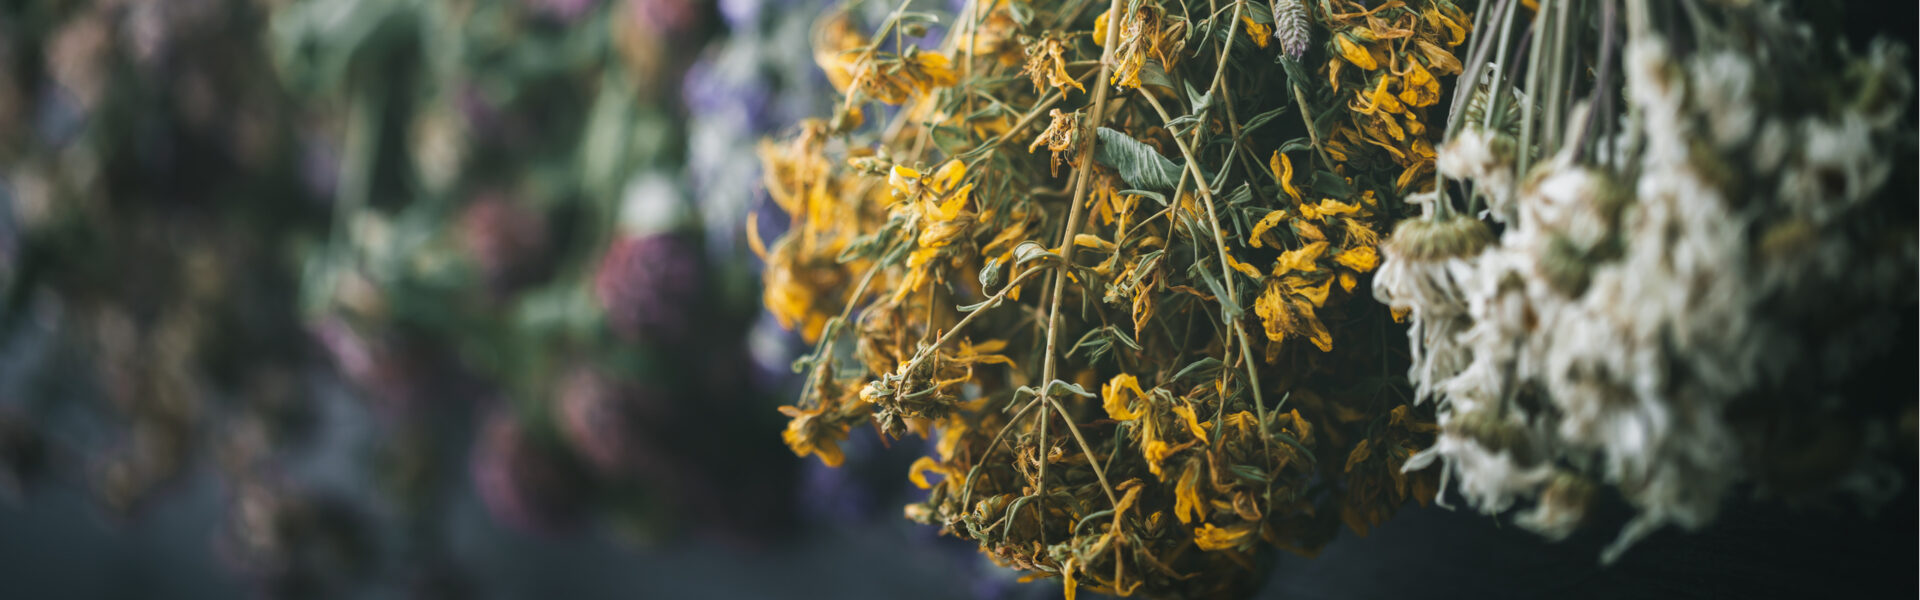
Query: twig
{"x":1074,"y":214}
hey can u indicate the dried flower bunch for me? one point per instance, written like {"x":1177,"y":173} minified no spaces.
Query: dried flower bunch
{"x":1694,"y":257}
{"x":1109,"y":259}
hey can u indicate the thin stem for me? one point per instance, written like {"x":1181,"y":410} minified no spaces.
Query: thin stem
{"x":1074,"y":214}
{"x":866,"y":54}
{"x":1557,"y":87}
{"x":1313,"y":135}
{"x":989,"y":304}
{"x":1085,"y":449}
{"x":832,"y":330}
{"x":1601,"y":100}
{"x":1499,"y":69}
{"x":1463,"y":94}
{"x":1533,"y":87}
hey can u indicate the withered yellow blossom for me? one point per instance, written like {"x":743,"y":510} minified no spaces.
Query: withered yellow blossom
{"x":1136,"y":348}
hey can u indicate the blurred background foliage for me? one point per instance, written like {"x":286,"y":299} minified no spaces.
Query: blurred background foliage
{"x":334,"y":275}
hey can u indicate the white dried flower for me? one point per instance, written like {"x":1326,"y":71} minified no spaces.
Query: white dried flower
{"x":1485,"y":158}
{"x":1723,"y":81}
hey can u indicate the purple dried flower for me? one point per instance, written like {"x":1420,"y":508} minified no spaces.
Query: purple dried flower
{"x":728,"y":89}
{"x":506,"y":240}
{"x":525,"y":485}
{"x":1290,"y":27}
{"x":664,"y":17}
{"x":392,"y":378}
{"x":649,"y":286}
{"x":612,"y":424}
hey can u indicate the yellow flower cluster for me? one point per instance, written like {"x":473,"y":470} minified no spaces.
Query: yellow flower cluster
{"x":1386,"y":62}
{"x":1083,"y":345}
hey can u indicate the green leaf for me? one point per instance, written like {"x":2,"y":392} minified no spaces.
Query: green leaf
{"x":1153,"y":74}
{"x":1249,"y":473}
{"x":1204,"y":364}
{"x":1295,"y":73}
{"x":1200,"y":101}
{"x":1229,"y":306}
{"x":1295,"y":145}
{"x":1139,"y":164}
{"x":991,"y":274}
{"x":1029,"y":251}
{"x":1060,"y":385}
{"x":1262,"y":119}
{"x":975,"y":306}
{"x":1096,"y":344}
{"x":1155,"y":196}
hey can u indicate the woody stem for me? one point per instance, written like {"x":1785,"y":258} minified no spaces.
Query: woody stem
{"x":1074,"y":214}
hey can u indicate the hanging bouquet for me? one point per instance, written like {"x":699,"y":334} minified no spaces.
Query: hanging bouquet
{"x":1667,"y":280}
{"x":1112,"y":265}
{"x":1111,"y":261}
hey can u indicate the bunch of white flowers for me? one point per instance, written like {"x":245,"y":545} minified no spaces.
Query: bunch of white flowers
{"x":1659,"y":302}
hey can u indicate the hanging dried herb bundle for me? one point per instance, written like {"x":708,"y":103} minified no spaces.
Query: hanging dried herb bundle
{"x":1107,"y":257}
{"x":1697,"y":261}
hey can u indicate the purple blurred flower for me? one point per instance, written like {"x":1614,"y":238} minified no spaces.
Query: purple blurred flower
{"x":614,"y":424}
{"x":393,"y":379}
{"x":664,"y":17}
{"x":730,"y":91}
{"x":742,"y":15}
{"x":525,"y":485}
{"x":650,"y":286}
{"x":505,"y":240}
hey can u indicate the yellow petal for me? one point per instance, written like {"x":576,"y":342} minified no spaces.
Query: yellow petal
{"x":1088,"y":240}
{"x":1243,"y":268}
{"x":1186,"y":496}
{"x":1193,"y":421}
{"x":904,"y":181}
{"x":1308,"y":231}
{"x":1273,"y":311}
{"x":1266,"y":224}
{"x":917,"y":473}
{"x":950,"y":207}
{"x":1359,"y":455}
{"x":1419,"y":88}
{"x":1330,"y":207}
{"x":1355,"y":53}
{"x":938,"y":69}
{"x":1302,"y":260}
{"x":1318,"y":333}
{"x":949,"y":174}
{"x":1115,"y":399}
{"x":1260,"y":32}
{"x":1383,"y":100}
{"x":1156,"y":453}
{"x":1284,"y":166}
{"x":1315,"y":293}
{"x":1362,"y":259}
{"x":1210,"y":537}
